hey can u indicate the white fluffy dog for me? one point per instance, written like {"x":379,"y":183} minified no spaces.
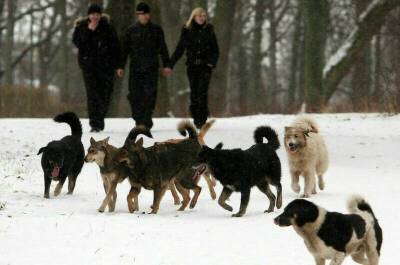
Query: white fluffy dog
{"x":307,"y":154}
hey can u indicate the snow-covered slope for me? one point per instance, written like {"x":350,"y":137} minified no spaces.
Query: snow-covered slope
{"x":69,"y":230}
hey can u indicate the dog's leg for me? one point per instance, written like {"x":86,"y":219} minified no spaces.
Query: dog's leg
{"x":47,"y":182}
{"x":295,"y":181}
{"x":267,"y":191}
{"x":321,"y":182}
{"x":110,"y":192}
{"x":210,"y":185}
{"x":71,"y":184}
{"x":279,"y":193}
{"x":133,"y":199}
{"x":174,"y":193}
{"x":225,"y":194}
{"x":59,"y":186}
{"x":197,"y":191}
{"x":371,"y":251}
{"x":158,"y":194}
{"x":113,"y":202}
{"x":244,"y":201}
{"x":185,"y":194}
{"x":359,"y":257}
{"x":338,"y":259}
{"x":319,"y":261}
{"x":309,"y":183}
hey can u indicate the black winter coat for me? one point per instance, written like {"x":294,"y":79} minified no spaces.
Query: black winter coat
{"x":98,"y":49}
{"x":200,"y":44}
{"x":144,"y":44}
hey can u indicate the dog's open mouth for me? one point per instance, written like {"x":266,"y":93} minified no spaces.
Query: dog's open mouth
{"x":292,"y":149}
{"x":198,"y":171}
{"x":55,"y":172}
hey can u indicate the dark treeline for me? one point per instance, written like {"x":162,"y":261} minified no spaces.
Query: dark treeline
{"x":277,"y":56}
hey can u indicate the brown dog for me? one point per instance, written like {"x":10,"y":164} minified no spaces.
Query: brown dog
{"x":211,"y":183}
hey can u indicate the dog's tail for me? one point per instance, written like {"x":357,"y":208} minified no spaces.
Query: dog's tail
{"x":204,"y":130}
{"x":133,"y":134}
{"x":186,"y":126}
{"x":72,"y":120}
{"x":358,"y":204}
{"x":307,"y":122}
{"x":269,"y":133}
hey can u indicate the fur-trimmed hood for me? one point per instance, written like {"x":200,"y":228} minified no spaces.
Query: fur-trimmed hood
{"x":79,"y":21}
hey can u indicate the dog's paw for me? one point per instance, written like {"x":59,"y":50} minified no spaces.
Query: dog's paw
{"x":213,"y":195}
{"x":100,"y":210}
{"x":47,"y":196}
{"x":237,"y":215}
{"x":305,"y":195}
{"x":321,"y":185}
{"x":269,"y":211}
{"x":296,"y":188}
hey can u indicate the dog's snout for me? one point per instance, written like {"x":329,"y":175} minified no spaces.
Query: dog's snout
{"x":276,"y":220}
{"x":291,"y":144}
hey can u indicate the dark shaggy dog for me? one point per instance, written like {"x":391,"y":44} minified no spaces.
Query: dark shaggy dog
{"x":63,"y":158}
{"x":155,"y":167}
{"x":331,"y":235}
{"x":240,"y":170}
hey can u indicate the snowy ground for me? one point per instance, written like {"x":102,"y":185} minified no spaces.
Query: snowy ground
{"x":69,"y":230}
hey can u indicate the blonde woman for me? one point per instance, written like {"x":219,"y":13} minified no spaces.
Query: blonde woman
{"x":199,"y":41}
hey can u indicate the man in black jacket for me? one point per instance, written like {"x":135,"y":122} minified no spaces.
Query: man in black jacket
{"x":98,"y":57}
{"x":143,"y":42}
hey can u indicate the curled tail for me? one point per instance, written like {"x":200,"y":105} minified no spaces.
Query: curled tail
{"x":72,"y":120}
{"x":357,"y":204}
{"x":133,"y":134}
{"x":269,"y":133}
{"x":186,"y":126}
{"x":204,"y":130}
{"x":219,"y":146}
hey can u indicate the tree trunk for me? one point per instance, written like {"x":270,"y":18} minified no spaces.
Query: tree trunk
{"x":361,"y":78}
{"x":377,"y":70}
{"x":223,"y":19}
{"x":200,"y":3}
{"x":339,"y":64}
{"x":9,"y":41}
{"x":273,"y":78}
{"x":315,"y":14}
{"x":64,"y":49}
{"x":294,"y":62}
{"x":256,"y":87}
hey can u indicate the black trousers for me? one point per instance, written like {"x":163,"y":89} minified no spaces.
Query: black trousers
{"x":199,"y":80}
{"x":143,"y":94}
{"x":99,"y":88}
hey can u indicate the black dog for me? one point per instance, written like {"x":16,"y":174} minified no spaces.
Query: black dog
{"x":240,"y":170}
{"x":63,"y":158}
{"x":332,"y":235}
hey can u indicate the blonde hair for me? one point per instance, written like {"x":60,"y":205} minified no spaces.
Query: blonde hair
{"x":195,"y":12}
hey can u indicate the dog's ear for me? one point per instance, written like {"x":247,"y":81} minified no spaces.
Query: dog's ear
{"x":105,"y":141}
{"x":92,"y":141}
{"x":139,"y":142}
{"x":306,"y":133}
{"x":287,"y":128}
{"x":41,"y":150}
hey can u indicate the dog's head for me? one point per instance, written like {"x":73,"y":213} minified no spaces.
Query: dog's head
{"x":130,"y":153}
{"x":296,"y":138}
{"x":53,"y":156}
{"x":97,"y":151}
{"x":298,"y":212}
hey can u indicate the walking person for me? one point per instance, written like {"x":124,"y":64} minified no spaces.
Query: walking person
{"x":199,"y":41}
{"x":144,"y":44}
{"x":98,"y":57}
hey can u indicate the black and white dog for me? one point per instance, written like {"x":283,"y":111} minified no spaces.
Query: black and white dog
{"x":63,"y":158}
{"x":332,"y":235}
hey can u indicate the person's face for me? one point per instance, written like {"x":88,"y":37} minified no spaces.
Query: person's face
{"x":94,"y":17}
{"x":144,"y":18}
{"x":200,"y":18}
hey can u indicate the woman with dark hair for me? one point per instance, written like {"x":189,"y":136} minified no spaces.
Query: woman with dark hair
{"x":199,"y":41}
{"x":98,"y":57}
